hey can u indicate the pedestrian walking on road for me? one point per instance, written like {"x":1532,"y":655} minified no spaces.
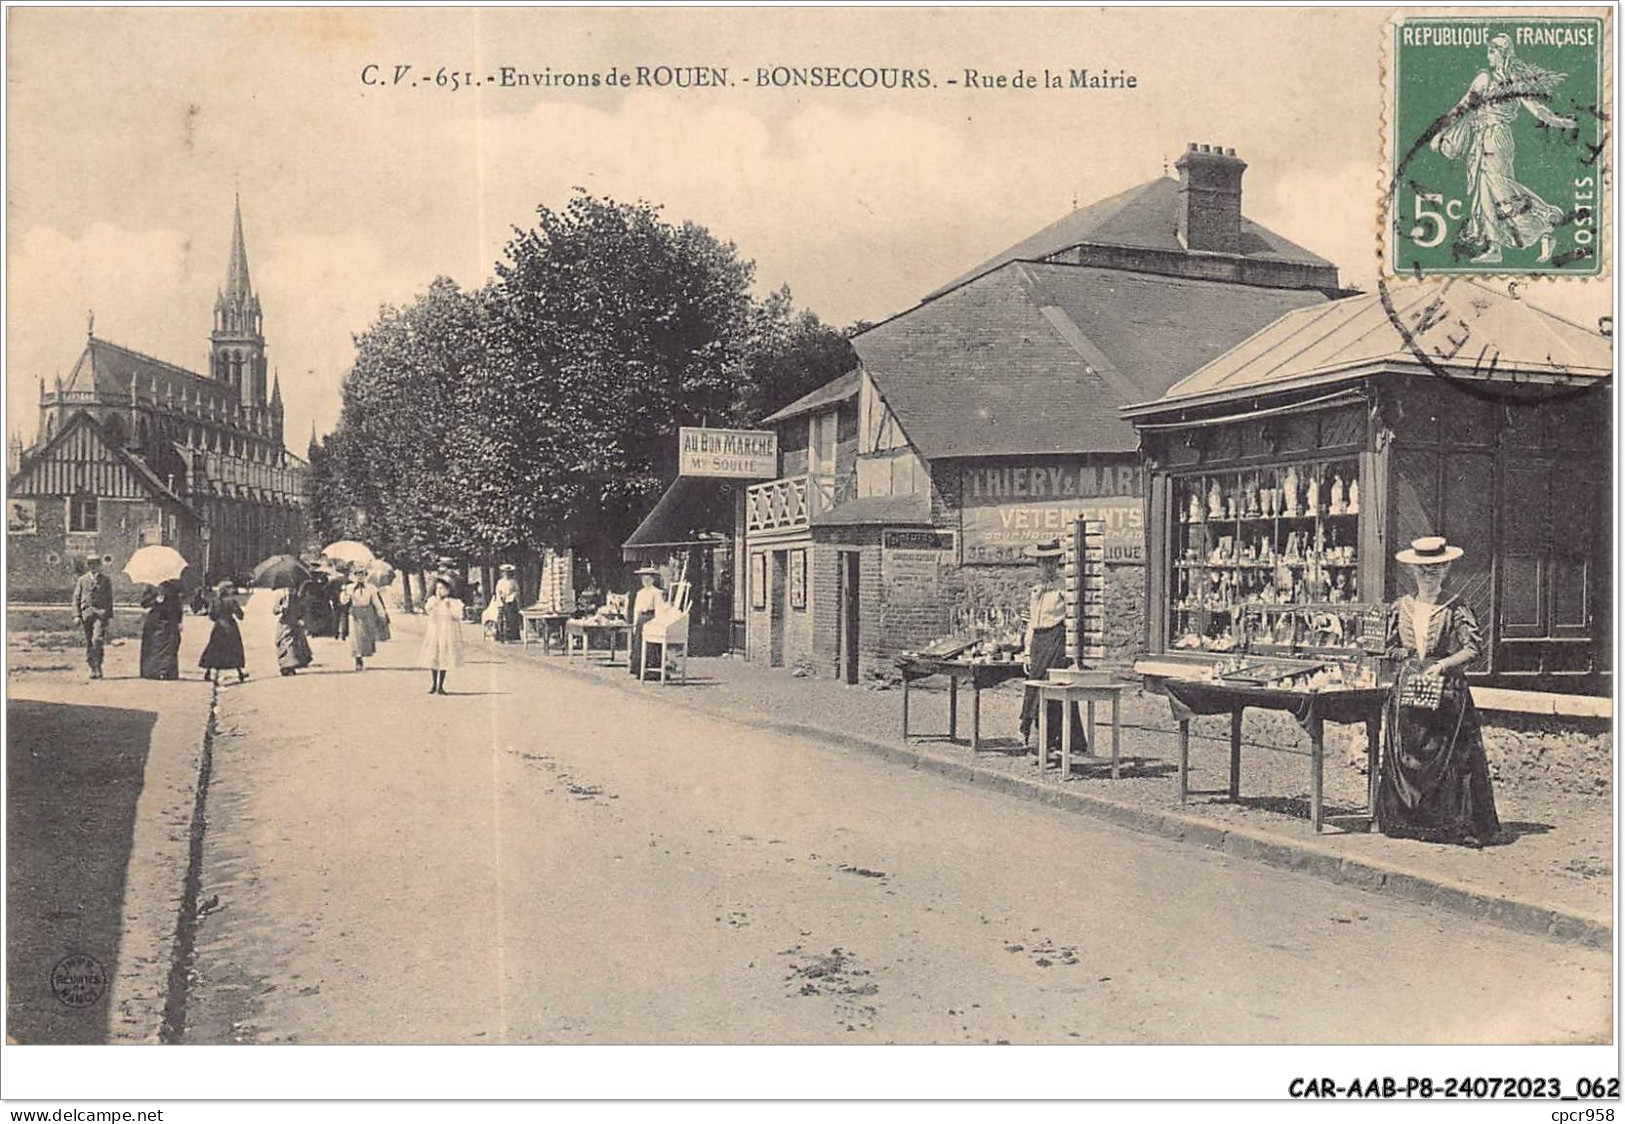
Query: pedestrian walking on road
{"x":292,"y":645}
{"x":368,"y":616}
{"x":161,"y":631}
{"x":224,"y":651}
{"x":506,"y":595}
{"x":443,"y":637}
{"x":645,"y":601}
{"x":1435,"y":782}
{"x":93,"y":609}
{"x":341,"y":608}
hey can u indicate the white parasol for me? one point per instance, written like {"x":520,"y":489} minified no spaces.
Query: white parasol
{"x":350,"y":552}
{"x":154,"y":565}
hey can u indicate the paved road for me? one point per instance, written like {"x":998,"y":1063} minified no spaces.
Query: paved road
{"x":542,"y":858}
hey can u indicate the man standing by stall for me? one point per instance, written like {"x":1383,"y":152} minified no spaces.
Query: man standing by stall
{"x":1046,"y":646}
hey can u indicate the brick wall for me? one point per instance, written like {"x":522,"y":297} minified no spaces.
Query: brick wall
{"x":43,"y":567}
{"x":798,"y":623}
{"x":1125,"y":612}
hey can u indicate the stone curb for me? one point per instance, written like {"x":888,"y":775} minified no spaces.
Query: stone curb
{"x":186,"y":917}
{"x":1238,"y":842}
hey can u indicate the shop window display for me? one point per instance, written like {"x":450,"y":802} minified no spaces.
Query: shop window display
{"x":1267,"y":558}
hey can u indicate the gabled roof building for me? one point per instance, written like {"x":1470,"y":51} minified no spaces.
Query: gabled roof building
{"x":989,"y":416}
{"x":202,"y":455}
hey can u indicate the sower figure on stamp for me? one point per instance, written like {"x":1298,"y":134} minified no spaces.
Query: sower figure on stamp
{"x":1502,"y":211}
{"x":93,"y":609}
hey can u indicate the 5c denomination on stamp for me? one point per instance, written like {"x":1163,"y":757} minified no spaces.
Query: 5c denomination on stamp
{"x":1497,"y":130}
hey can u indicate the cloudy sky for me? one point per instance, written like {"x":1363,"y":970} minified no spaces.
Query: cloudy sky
{"x":121,"y":173}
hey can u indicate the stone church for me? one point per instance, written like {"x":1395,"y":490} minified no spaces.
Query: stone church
{"x":132,"y":450}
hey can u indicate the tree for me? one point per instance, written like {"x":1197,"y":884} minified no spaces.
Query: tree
{"x":389,"y":459}
{"x":609,"y":329}
{"x":793,"y":354}
{"x":542,"y":410}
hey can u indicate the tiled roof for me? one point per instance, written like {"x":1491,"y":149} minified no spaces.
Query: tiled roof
{"x":877,"y":510}
{"x":1344,"y":339}
{"x":1037,"y":358}
{"x":106,"y":369}
{"x":1143,"y":217}
{"x":837,"y":389}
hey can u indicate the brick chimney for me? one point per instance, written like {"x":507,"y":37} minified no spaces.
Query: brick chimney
{"x":1210,"y":199}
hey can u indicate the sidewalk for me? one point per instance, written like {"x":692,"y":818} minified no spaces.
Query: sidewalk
{"x":102,"y":792}
{"x":1552,"y":874}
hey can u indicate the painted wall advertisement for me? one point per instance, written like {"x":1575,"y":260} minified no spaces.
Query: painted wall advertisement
{"x":911,"y":563}
{"x":1009,"y":507}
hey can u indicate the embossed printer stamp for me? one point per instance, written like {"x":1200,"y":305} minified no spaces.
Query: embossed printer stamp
{"x":1497,"y":131}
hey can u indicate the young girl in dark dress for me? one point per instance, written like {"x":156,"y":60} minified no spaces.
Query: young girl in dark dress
{"x":224,"y":652}
{"x":1435,"y":782}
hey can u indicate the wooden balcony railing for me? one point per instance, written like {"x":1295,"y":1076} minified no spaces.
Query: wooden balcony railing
{"x":792,"y":502}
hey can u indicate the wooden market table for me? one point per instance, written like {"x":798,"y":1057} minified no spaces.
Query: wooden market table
{"x":1097,"y":688}
{"x":977,"y":675}
{"x":551,"y":625}
{"x":1312,"y":709}
{"x":618,"y":633}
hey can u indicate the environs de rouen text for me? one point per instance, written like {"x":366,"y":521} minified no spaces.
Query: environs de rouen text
{"x":684,"y":77}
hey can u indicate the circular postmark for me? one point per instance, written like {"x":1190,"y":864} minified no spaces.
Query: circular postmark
{"x":78,"y":980}
{"x":1438,"y":332}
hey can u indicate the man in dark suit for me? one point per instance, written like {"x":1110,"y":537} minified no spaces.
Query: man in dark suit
{"x":93,"y":609}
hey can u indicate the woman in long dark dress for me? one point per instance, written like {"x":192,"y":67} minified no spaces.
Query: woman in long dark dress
{"x":1435,"y":782}
{"x":506,"y":594}
{"x":224,"y":652}
{"x":292,"y":646}
{"x":161,"y":632}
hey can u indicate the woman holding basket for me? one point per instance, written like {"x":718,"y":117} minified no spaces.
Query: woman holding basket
{"x":1435,"y":781}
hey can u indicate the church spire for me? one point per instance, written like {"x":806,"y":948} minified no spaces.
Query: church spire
{"x":237,"y":286}
{"x":237,"y":345}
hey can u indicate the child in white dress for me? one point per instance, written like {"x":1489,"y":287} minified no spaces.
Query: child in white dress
{"x":443,"y":638}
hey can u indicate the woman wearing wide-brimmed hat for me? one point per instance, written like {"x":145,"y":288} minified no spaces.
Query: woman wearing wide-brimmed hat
{"x":1046,"y":645}
{"x":643,"y":604}
{"x":506,"y":595}
{"x":1435,"y":782}
{"x":369,"y":618}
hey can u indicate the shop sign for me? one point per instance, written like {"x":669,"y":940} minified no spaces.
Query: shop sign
{"x":911,"y":563}
{"x":739,"y":454}
{"x":1010,"y":507}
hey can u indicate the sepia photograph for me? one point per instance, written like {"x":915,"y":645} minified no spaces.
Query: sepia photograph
{"x":889,"y":527}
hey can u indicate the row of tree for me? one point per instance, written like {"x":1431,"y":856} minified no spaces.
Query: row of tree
{"x":542,"y":408}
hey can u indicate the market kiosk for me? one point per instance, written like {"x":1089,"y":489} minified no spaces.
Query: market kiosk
{"x":1281,"y":474}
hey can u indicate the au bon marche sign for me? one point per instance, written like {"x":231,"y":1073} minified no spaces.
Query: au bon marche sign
{"x":739,"y":454}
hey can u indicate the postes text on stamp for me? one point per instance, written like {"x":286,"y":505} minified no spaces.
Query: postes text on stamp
{"x":1497,"y":134}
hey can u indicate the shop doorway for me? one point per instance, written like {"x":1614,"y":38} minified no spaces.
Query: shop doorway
{"x":778,"y":599}
{"x":847,"y":616}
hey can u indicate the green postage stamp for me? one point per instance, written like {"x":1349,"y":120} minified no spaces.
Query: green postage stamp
{"x":1497,"y":134}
